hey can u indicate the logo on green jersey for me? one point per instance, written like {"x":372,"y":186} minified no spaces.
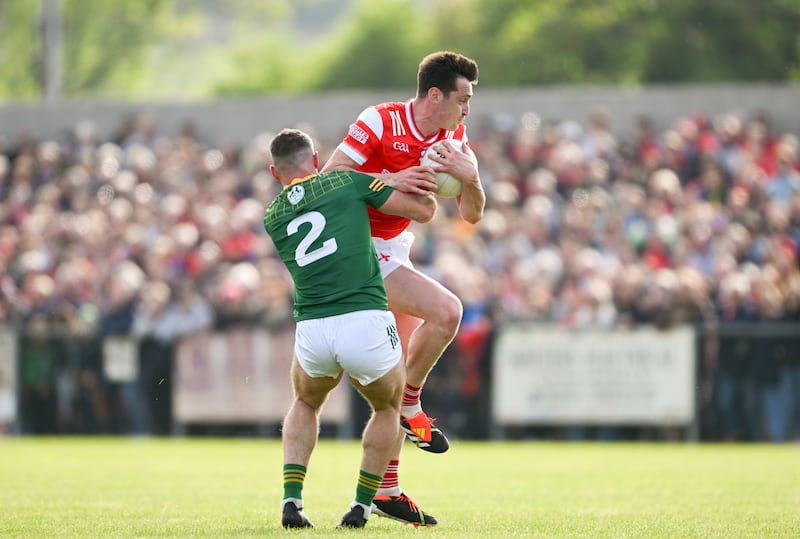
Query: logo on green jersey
{"x":296,"y":194}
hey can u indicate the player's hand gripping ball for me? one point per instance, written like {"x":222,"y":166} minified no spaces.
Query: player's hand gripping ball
{"x":448,"y":186}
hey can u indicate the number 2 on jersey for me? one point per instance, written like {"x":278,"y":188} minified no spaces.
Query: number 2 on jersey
{"x":302,"y":255}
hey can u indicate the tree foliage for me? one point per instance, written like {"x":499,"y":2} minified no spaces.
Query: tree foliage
{"x":379,"y":47}
{"x":540,"y":42}
{"x":105,"y":43}
{"x":19,"y":55}
{"x":162,"y":48}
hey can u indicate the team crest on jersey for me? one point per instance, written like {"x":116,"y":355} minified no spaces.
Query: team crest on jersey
{"x":358,"y":134}
{"x":296,"y":194}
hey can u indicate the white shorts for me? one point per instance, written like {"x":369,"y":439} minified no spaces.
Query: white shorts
{"x":363,"y":343}
{"x":395,"y":252}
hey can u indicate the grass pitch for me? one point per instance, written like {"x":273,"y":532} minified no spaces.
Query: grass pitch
{"x":122,"y":487}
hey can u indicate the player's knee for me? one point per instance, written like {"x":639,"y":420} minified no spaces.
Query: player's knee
{"x":312,"y":401}
{"x":451,"y":313}
{"x":387,"y":392}
{"x":387,"y":401}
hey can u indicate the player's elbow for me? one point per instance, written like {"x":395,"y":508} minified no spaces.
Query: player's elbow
{"x":426,"y":217}
{"x":425,"y":214}
{"x":473,"y":217}
{"x":471,"y":208}
{"x":425,"y":210}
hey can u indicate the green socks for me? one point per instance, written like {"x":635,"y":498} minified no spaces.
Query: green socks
{"x":295,"y":474}
{"x":293,"y":477}
{"x":367,"y":487}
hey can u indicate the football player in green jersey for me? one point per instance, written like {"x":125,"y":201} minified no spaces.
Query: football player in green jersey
{"x":320,"y":228}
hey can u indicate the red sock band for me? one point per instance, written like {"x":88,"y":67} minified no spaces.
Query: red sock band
{"x":411,"y":395}
{"x":391,"y":478}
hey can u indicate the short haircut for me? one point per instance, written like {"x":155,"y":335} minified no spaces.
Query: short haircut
{"x":442,"y":69}
{"x":290,"y":149}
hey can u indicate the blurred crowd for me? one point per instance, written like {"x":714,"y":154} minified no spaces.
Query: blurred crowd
{"x":588,"y":225}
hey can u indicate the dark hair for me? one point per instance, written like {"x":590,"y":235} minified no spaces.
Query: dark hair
{"x":290,"y":148}
{"x":442,"y":69}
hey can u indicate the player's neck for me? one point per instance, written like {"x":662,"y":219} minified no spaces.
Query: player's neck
{"x":424,"y":117}
{"x":299,"y":175}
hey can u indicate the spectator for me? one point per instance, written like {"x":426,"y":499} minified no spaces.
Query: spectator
{"x":785,"y":183}
{"x":155,"y":356}
{"x":124,"y":396}
{"x":236,"y":300}
{"x":583,"y":226}
{"x":188,"y":313}
{"x":38,"y":362}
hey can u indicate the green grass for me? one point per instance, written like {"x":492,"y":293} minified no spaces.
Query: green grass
{"x":96,"y":487}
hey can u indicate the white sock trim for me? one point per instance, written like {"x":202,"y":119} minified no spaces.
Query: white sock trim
{"x":392,"y":491}
{"x":367,"y":508}
{"x":411,"y":411}
{"x":296,"y":501}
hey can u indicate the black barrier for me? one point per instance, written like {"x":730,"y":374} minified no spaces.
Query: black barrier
{"x":747,"y":389}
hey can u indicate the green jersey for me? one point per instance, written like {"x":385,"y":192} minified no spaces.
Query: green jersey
{"x":320,"y":228}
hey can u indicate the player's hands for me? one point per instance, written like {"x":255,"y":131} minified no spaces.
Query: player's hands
{"x":460,"y":164}
{"x":418,"y":180}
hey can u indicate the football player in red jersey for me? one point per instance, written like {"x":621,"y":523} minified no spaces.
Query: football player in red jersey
{"x":388,"y":141}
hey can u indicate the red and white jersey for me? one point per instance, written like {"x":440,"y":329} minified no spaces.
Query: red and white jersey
{"x":384,"y":138}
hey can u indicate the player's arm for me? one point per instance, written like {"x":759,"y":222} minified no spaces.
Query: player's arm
{"x":420,"y":208}
{"x":464,"y":166}
{"x":416,"y":180}
{"x":472,"y":199}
